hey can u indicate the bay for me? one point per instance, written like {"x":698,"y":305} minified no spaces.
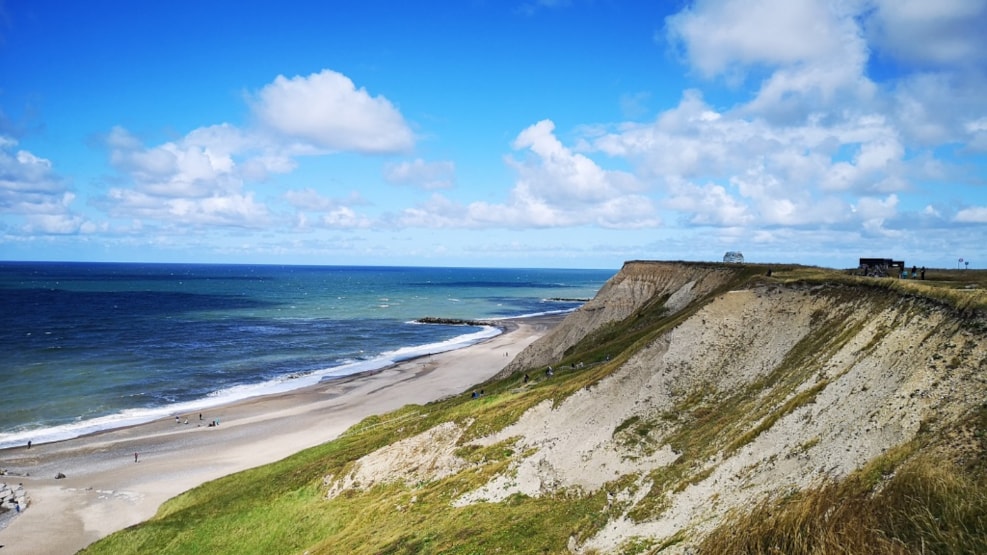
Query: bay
{"x":92,"y":346}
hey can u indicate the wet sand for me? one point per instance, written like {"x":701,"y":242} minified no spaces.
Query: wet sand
{"x":105,"y":490}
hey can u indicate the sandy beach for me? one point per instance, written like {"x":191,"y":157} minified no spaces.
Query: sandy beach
{"x":105,"y":490}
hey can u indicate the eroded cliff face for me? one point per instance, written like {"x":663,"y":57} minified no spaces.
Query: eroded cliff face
{"x":813,"y":385}
{"x":637,"y":284}
{"x":758,"y":392}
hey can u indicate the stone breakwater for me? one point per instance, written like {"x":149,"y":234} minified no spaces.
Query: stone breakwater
{"x":13,"y":499}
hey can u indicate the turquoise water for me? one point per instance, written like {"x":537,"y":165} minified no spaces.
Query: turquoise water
{"x":89,"y":347}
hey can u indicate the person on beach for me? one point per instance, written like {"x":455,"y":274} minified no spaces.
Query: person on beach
{"x":29,"y":444}
{"x":135,"y":457}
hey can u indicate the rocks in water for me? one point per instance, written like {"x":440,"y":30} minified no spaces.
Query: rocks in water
{"x":452,"y":321}
{"x":59,"y":476}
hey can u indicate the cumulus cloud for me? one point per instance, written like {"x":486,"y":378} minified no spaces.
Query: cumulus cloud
{"x":203,"y":177}
{"x":936,"y":34}
{"x":709,"y":204}
{"x":314,"y":209}
{"x":345,"y":217}
{"x":427,"y":175}
{"x":326,"y":110}
{"x":558,"y":187}
{"x":757,"y":173}
{"x":813,"y":51}
{"x":717,"y":37}
{"x":972,"y":215}
{"x":555,"y":187}
{"x":818,"y":142}
{"x":30,"y":189}
{"x":561,"y":177}
{"x":196,"y":180}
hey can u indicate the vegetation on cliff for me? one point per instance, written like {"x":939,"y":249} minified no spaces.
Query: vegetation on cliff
{"x":691,"y":408}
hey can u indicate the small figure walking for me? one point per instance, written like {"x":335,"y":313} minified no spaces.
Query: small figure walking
{"x":135,"y":457}
{"x":29,"y":444}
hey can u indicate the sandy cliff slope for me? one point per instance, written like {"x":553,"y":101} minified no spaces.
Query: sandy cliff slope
{"x":637,"y":285}
{"x":750,"y":393}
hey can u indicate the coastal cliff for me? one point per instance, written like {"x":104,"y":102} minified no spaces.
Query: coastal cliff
{"x":758,"y":393}
{"x":669,"y":287}
{"x":693,"y":408}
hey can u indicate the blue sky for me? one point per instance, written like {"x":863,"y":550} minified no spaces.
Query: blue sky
{"x":514,"y":133}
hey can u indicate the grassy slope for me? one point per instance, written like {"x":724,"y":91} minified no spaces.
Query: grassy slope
{"x":911,"y":498}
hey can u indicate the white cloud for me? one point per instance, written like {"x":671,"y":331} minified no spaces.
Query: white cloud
{"x":197,"y":180}
{"x":555,"y":187}
{"x":708,"y":204}
{"x":872,"y":209}
{"x":720,"y":36}
{"x":939,"y":33}
{"x":813,"y":50}
{"x":226,"y":210}
{"x":346,"y":218}
{"x":972,"y":215}
{"x":201,"y":178}
{"x":789,"y":175}
{"x":314,"y":209}
{"x":309,"y":199}
{"x":30,"y":189}
{"x":327,"y":111}
{"x":197,"y":166}
{"x":562,"y":177}
{"x":427,"y":175}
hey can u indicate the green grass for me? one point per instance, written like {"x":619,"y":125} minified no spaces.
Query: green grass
{"x":908,"y":500}
{"x":925,"y":506}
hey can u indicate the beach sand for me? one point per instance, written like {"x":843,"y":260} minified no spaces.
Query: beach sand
{"x":105,"y":490}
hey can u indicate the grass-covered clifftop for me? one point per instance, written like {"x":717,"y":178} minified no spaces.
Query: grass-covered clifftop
{"x":692,"y":407}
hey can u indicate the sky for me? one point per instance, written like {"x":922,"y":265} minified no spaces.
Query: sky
{"x":497,"y":133}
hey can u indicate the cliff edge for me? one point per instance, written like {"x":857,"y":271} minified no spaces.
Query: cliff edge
{"x":738,"y":389}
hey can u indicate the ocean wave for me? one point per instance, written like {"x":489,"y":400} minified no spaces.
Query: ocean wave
{"x":282,"y":384}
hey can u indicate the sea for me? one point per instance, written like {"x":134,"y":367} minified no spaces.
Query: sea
{"x":86,"y":347}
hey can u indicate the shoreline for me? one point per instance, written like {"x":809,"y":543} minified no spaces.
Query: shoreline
{"x":104,"y":490}
{"x":286,"y":384}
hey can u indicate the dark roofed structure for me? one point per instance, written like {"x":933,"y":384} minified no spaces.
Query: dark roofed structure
{"x":880,"y":267}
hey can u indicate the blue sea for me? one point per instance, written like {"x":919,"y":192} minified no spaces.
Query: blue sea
{"x":93,"y":346}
